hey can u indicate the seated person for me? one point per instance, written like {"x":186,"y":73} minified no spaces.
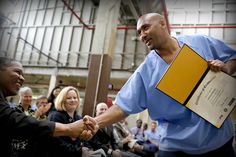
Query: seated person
{"x":42,"y":107}
{"x":21,"y":146}
{"x":152,"y":135}
{"x":137,"y":131}
{"x":52,"y":97}
{"x":67,"y":103}
{"x":25,"y":100}
{"x":126,"y":140}
{"x":104,"y":138}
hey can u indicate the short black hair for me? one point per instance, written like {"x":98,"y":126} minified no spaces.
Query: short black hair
{"x":5,"y":62}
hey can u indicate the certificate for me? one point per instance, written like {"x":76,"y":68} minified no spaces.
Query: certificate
{"x":214,"y":98}
{"x":190,"y":82}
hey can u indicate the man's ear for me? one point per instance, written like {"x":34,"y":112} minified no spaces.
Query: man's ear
{"x":162,"y":22}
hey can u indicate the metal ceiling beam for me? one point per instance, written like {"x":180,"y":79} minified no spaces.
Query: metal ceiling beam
{"x":96,"y":2}
{"x":132,"y":8}
{"x":145,"y":6}
{"x":65,"y":71}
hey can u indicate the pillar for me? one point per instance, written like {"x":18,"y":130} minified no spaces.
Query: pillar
{"x":101,"y":57}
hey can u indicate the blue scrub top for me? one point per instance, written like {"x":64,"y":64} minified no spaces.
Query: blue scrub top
{"x":179,"y":128}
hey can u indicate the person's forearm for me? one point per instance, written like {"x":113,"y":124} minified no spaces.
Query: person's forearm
{"x":62,"y":130}
{"x":112,"y":115}
{"x":230,"y":67}
{"x":75,"y":129}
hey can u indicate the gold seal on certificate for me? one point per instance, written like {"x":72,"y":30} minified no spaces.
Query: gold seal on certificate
{"x":190,"y":82}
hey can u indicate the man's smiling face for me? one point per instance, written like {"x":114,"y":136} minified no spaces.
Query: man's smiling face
{"x":11,"y":79}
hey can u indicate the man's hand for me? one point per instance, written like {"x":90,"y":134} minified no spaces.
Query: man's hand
{"x":42,"y":110}
{"x":77,"y":128}
{"x":229,"y":67}
{"x":216,"y":65}
{"x":116,"y":153}
{"x":91,"y":124}
{"x":83,"y":129}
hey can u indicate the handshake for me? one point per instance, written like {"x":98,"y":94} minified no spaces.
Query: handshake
{"x":83,"y":129}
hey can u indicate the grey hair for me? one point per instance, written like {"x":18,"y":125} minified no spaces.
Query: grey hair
{"x":24,"y":90}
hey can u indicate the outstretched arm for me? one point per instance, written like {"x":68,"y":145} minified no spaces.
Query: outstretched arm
{"x":27,"y":126}
{"x":76,"y":129}
{"x":113,"y":115}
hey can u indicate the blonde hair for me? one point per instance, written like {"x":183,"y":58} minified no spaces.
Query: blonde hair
{"x":61,"y":98}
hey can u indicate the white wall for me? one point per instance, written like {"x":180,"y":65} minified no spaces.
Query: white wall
{"x":207,"y":13}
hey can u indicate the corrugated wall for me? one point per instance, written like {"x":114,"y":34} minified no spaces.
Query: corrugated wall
{"x":46,"y":33}
{"x":215,"y":18}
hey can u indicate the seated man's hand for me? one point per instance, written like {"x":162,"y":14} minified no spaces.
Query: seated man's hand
{"x":126,"y":140}
{"x":42,"y":110}
{"x":138,"y":148}
{"x":116,"y":153}
{"x":46,"y":108}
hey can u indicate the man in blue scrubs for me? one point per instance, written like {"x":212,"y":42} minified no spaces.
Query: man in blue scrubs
{"x":183,"y":133}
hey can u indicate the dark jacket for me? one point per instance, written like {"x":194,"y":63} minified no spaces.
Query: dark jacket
{"x":18,"y":124}
{"x":104,"y":139}
{"x":64,"y":146}
{"x":23,"y":146}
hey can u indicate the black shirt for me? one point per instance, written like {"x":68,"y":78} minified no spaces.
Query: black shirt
{"x":64,"y":146}
{"x":18,"y":124}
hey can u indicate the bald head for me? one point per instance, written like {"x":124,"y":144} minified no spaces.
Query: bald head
{"x":152,"y":30}
{"x":101,"y":108}
{"x":155,"y":16}
{"x":150,"y":17}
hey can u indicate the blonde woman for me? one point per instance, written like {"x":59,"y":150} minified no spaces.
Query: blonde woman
{"x":66,"y":105}
{"x":68,"y":101}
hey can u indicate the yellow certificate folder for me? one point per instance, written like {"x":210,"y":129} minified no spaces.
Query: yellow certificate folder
{"x":183,"y":75}
{"x":189,"y":81}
